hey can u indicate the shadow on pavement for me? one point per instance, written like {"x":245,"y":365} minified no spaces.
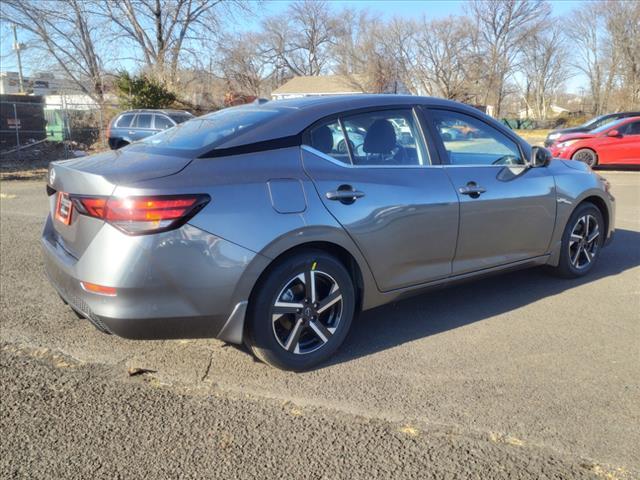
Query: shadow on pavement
{"x":448,"y":308}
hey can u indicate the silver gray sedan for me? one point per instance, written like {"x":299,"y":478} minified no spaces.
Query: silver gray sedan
{"x":251,"y":225}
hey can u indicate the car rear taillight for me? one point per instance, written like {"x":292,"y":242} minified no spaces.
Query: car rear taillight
{"x":142,"y":215}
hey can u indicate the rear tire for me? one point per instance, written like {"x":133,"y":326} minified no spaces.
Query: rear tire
{"x":581,"y":242}
{"x":586,"y":155}
{"x":300,"y":311}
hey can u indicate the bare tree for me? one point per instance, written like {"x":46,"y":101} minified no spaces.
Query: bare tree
{"x":503,"y":25}
{"x":592,"y":53}
{"x":65,"y":31}
{"x":164,"y":30}
{"x":443,"y":49}
{"x":300,"y":39}
{"x":242,"y":66}
{"x":623,"y":27}
{"x":544,"y":69}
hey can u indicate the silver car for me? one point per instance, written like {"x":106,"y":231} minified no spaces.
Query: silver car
{"x":251,"y":225}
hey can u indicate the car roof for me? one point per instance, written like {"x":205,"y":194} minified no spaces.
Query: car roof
{"x":154,"y":110}
{"x":298,"y":113}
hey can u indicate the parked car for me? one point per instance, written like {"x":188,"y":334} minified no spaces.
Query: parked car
{"x":249,"y":225}
{"x":596,"y":122}
{"x":134,"y":125}
{"x":614,"y":143}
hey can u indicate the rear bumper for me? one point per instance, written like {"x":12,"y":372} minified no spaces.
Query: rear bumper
{"x":185,"y":283}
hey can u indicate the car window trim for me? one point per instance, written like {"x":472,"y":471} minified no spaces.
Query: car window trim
{"x":444,"y":158}
{"x":306,"y":135}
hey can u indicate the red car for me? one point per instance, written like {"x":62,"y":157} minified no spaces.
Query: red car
{"x":616,"y":142}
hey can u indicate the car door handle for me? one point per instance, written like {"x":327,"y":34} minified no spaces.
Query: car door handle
{"x":473,"y":190}
{"x":345,"y":194}
{"x":132,"y":132}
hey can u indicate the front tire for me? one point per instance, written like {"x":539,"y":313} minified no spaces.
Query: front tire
{"x":581,"y":242}
{"x":301,"y":311}
{"x":586,"y":155}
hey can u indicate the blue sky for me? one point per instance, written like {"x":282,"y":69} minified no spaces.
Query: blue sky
{"x":386,"y":8}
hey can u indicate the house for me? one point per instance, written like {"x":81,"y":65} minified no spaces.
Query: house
{"x":325,"y":85}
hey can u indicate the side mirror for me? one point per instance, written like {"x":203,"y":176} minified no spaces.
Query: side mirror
{"x":540,"y":157}
{"x":614,"y":133}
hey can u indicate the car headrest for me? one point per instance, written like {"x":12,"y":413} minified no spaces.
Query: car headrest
{"x":380,"y":138}
{"x":322,"y":139}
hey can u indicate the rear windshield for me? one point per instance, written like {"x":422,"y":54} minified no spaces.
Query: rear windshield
{"x":210,"y":130}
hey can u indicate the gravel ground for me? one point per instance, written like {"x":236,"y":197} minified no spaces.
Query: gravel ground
{"x":517,"y":376}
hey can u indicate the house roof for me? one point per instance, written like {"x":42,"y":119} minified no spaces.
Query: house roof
{"x":324,"y":84}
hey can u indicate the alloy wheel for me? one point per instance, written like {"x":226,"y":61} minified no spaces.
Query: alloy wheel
{"x":583,"y":242}
{"x":586,"y":156}
{"x":307,"y":312}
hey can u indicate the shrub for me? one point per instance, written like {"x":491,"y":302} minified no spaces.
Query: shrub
{"x":142,"y":92}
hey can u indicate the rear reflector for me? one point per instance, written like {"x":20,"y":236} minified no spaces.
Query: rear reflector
{"x":141,"y":215}
{"x":99,"y":289}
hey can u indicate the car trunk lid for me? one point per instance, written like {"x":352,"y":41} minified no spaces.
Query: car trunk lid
{"x":97,"y":176}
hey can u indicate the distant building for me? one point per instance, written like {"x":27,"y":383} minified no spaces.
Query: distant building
{"x":38,"y":84}
{"x":325,"y":85}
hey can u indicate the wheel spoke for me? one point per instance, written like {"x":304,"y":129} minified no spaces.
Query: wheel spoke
{"x":323,"y":332}
{"x":292,"y":341}
{"x":586,"y":225}
{"x":307,"y":283}
{"x":587,"y":254}
{"x":331,"y":300}
{"x":594,"y":235}
{"x":282,"y":308}
{"x":574,"y":238}
{"x":312,"y":275}
{"x":574,"y":260}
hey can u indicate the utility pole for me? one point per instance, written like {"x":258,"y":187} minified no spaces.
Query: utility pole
{"x":16,"y":47}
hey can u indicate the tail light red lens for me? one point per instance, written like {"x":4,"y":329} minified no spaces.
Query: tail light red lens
{"x":142,"y":215}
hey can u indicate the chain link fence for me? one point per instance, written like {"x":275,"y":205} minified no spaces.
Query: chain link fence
{"x":30,"y":127}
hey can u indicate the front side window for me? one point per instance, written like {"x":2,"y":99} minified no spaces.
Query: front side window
{"x":469,"y":141}
{"x":162,"y":122}
{"x":381,"y":138}
{"x":632,"y":128}
{"x":143,"y":120}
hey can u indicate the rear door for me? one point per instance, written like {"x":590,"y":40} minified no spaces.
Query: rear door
{"x":507,"y":211}
{"x":373,"y":172}
{"x":143,"y":127}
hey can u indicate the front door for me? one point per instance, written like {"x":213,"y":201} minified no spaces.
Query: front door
{"x":507,"y":211}
{"x":374,"y":175}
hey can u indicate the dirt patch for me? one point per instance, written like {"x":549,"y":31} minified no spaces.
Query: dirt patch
{"x":32,"y":162}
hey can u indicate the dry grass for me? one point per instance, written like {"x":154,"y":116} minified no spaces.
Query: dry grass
{"x":534,"y":137}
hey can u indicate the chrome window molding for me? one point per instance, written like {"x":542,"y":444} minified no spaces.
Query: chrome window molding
{"x":348,"y":165}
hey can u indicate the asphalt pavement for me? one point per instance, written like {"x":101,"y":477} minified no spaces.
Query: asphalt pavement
{"x":522,"y":375}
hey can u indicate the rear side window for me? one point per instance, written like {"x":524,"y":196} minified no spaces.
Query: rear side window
{"x":469,"y":141}
{"x":125,"y":120}
{"x":143,"y":120}
{"x":212,"y":129}
{"x":162,"y":122}
{"x":380,"y":138}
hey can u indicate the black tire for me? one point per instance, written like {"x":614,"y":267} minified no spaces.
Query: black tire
{"x":268,"y":331}
{"x":586,"y":155}
{"x":568,"y":267}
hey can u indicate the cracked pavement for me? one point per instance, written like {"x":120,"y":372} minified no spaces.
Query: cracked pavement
{"x":516,"y":376}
